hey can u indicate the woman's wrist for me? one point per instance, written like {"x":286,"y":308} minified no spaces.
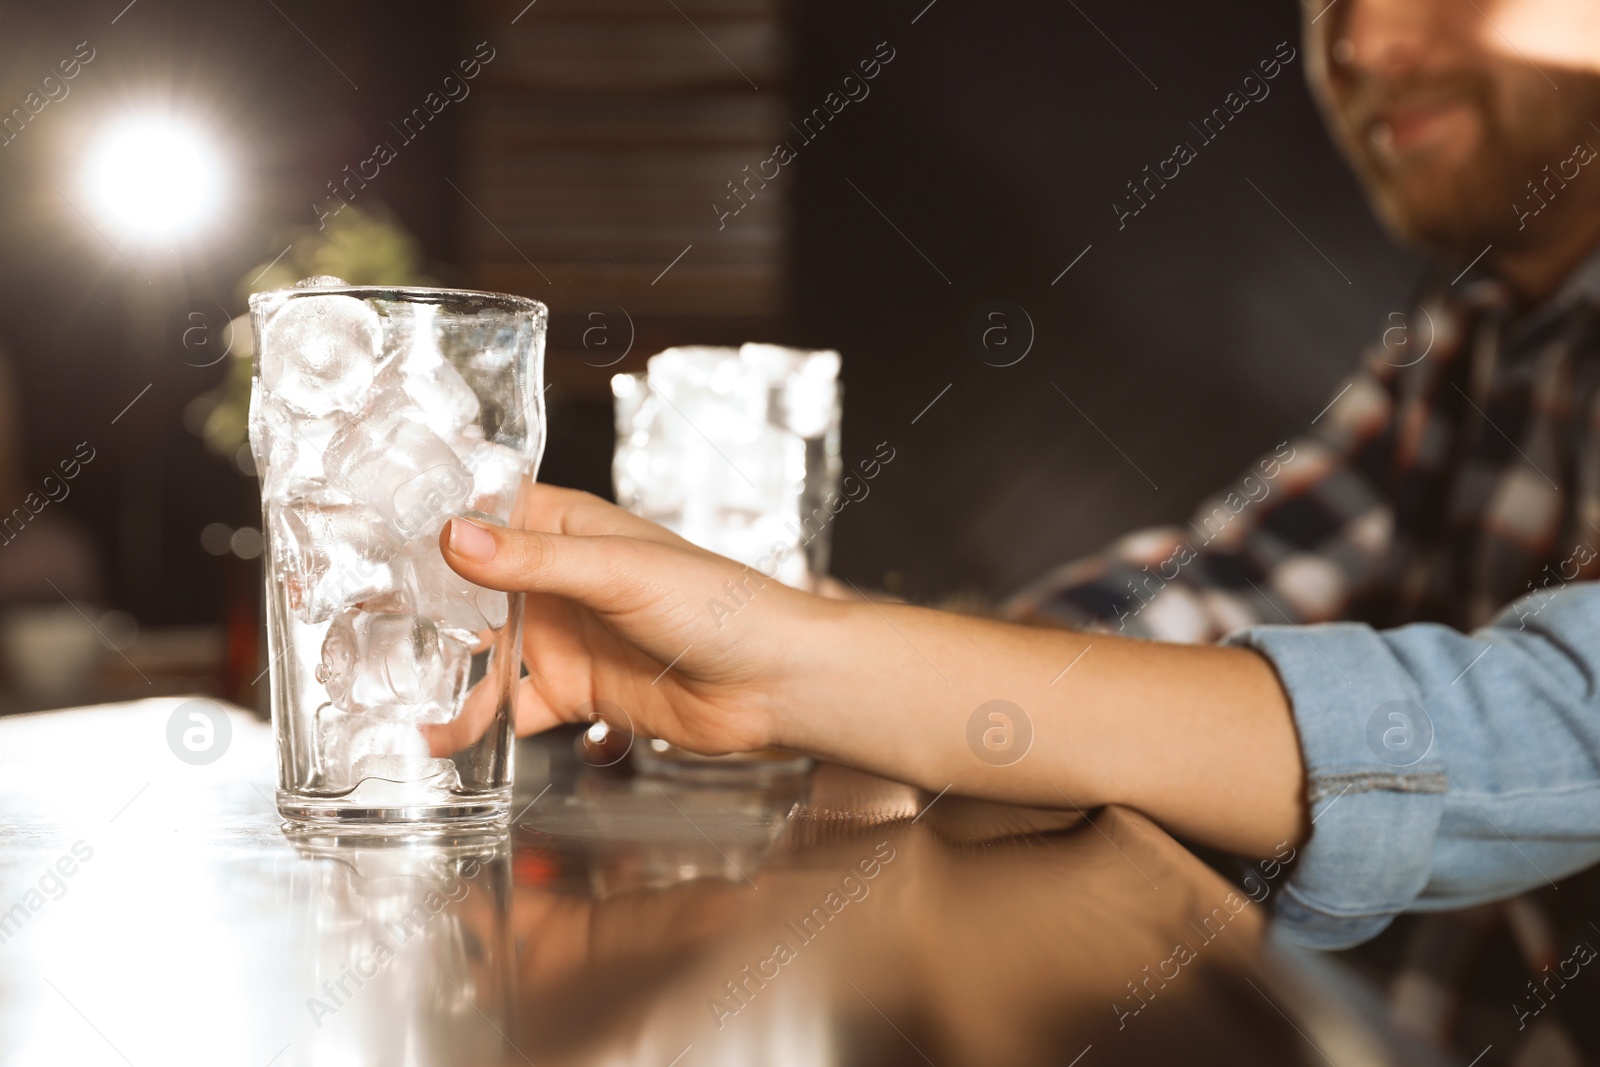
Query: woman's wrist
{"x":815,"y":648}
{"x":857,"y":692}
{"x":897,"y":689}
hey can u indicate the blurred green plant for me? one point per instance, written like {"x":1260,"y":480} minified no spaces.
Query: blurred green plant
{"x":363,"y":246}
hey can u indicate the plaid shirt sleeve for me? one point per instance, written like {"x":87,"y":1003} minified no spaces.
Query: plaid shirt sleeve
{"x":1298,"y":538}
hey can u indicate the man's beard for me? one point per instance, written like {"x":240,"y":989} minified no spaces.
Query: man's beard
{"x":1456,"y":209}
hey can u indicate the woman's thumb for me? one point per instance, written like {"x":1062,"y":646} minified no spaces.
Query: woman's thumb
{"x":528,"y":561}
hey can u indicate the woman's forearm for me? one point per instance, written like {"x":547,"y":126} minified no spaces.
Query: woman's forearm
{"x":1200,"y":738}
{"x":709,"y":655}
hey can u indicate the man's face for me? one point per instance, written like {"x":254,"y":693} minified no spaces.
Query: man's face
{"x":1447,"y":120}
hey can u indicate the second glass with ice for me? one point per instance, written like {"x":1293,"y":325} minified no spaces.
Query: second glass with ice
{"x":737,"y":451}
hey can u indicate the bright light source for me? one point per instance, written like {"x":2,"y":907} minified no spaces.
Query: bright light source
{"x":155,"y":178}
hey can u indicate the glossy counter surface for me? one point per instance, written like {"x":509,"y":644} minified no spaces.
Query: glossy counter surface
{"x":153,"y":912}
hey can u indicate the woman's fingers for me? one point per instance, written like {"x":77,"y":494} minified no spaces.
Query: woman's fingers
{"x":608,"y":614}
{"x":552,"y":509}
{"x":532,"y":714}
{"x":477,"y":713}
{"x":602,"y":572}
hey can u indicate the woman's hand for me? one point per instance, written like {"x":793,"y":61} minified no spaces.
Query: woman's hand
{"x":712,"y":656}
{"x":696,"y":649}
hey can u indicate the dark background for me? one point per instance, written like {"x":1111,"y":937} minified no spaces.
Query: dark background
{"x":995,"y":142}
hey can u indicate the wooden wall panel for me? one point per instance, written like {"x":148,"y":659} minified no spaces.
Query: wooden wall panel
{"x":602,"y":134}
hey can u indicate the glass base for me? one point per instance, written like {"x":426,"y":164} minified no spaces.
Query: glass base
{"x":460,"y":813}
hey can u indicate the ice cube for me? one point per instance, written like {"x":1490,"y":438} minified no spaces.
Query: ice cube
{"x":268,"y":435}
{"x":318,"y":353}
{"x":497,"y":472}
{"x":320,"y":281}
{"x":649,"y":478}
{"x":805,"y":383}
{"x":694,"y":365}
{"x":353,"y":748}
{"x":469,"y":438}
{"x":774,"y":547}
{"x":409,"y":782}
{"x":447,"y":598}
{"x":396,"y":667}
{"x":737,"y":482}
{"x":714,"y":445}
{"x":395,"y":767}
{"x":629,"y":391}
{"x":778,"y":363}
{"x":411,"y":336}
{"x":444,"y":401}
{"x":707,"y":392}
{"x":332,"y":556}
{"x":262,"y":437}
{"x":391,"y":665}
{"x":293,"y":447}
{"x":741,"y":500}
{"x":400,"y":467}
{"x":455,"y":655}
{"x":385,"y":741}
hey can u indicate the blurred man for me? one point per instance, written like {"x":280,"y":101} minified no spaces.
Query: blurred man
{"x":1459,"y":470}
{"x":1454,"y":472}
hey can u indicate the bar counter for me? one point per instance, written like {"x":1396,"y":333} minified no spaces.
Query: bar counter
{"x":154,"y":912}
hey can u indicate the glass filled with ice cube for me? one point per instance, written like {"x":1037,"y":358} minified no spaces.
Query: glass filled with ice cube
{"x":376,"y":415}
{"x":737,"y":451}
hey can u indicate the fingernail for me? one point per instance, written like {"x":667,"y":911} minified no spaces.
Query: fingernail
{"x":471,"y":541}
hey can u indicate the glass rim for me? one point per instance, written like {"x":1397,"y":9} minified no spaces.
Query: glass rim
{"x":418,"y":294}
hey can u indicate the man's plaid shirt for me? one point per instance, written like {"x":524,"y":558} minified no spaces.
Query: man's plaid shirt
{"x":1452,"y":474}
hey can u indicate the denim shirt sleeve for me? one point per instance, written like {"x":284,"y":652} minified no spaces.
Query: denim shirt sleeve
{"x":1443,"y":769}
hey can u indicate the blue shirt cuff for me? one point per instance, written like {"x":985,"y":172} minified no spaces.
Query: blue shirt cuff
{"x":1376,"y":781}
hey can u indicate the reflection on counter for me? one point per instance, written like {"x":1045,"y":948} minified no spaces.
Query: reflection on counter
{"x":410,"y":948}
{"x":832,"y":919}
